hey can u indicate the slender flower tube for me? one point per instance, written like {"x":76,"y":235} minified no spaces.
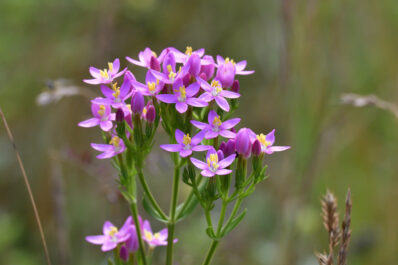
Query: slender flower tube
{"x":150,"y":114}
{"x":213,"y":166}
{"x":214,"y":91}
{"x":185,"y":144}
{"x":243,"y":142}
{"x":105,"y":76}
{"x":115,"y":147}
{"x":267,"y":143}
{"x":155,"y":239}
{"x":102,"y":117}
{"x":137,"y":102}
{"x":112,"y":236}
{"x":256,"y":148}
{"x":230,"y":148}
{"x":183,"y":96}
{"x":216,"y":127}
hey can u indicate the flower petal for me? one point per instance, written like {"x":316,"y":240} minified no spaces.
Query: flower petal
{"x":207,"y":173}
{"x":167,"y":98}
{"x":181,"y":107}
{"x":96,"y":240}
{"x":199,"y":164}
{"x":89,"y":123}
{"x":227,"y":134}
{"x":200,"y":148}
{"x":108,"y":245}
{"x":106,"y":125}
{"x":227,"y":161}
{"x":223,"y":171}
{"x":198,"y":138}
{"x":185,"y":153}
{"x":179,"y":136}
{"x":222,"y":103}
{"x":171,"y":147}
{"x":230,"y":123}
{"x":102,"y":147}
{"x":200,"y":125}
{"x":229,"y":94}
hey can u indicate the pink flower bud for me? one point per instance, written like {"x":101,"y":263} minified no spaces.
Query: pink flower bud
{"x":124,"y":254}
{"x":119,"y":116}
{"x":137,"y":102}
{"x":208,"y":69}
{"x":220,"y":155}
{"x":256,"y":148}
{"x":230,"y":148}
{"x":235,"y":86}
{"x":226,"y":74}
{"x":243,"y":144}
{"x":194,"y":64}
{"x":150,"y":114}
{"x":154,"y":64}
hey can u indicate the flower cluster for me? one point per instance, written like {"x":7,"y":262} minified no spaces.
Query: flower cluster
{"x":193,"y":97}
{"x":126,"y":239}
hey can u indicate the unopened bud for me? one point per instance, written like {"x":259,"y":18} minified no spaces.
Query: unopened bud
{"x":137,"y":102}
{"x":220,"y":155}
{"x":256,"y":148}
{"x":154,"y":64}
{"x":150,"y":114}
{"x":235,"y":86}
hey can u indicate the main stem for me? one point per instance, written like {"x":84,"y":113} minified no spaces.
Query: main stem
{"x":215,"y":242}
{"x":172,"y":219}
{"x":134,"y":212}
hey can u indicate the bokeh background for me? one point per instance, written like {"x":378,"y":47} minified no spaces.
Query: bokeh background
{"x":306,"y":53}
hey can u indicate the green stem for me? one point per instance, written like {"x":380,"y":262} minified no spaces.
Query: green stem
{"x":148,"y":193}
{"x":234,"y":211}
{"x":172,"y":219}
{"x":134,"y":212}
{"x":210,"y":253}
{"x":222,"y":216}
{"x":116,"y":255}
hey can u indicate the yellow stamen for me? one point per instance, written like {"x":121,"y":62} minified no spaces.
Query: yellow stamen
{"x":227,"y":60}
{"x":115,"y":141}
{"x":144,"y":110}
{"x":263,"y":141}
{"x":113,"y":231}
{"x":104,"y":73}
{"x":186,"y":140}
{"x":117,"y":93}
{"x":188,"y":50}
{"x":152,"y":86}
{"x":217,"y":121}
{"x":110,"y":67}
{"x":169,"y":68}
{"x":154,"y":54}
{"x":101,"y":110}
{"x":212,"y":162}
{"x":148,"y":235}
{"x":114,"y":86}
{"x":156,"y":235}
{"x":215,"y":84}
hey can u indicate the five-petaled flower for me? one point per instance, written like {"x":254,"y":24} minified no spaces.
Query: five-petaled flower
{"x":267,"y":143}
{"x":102,"y":117}
{"x":112,"y":236}
{"x":185,"y":144}
{"x":183,"y":96}
{"x":151,"y":87}
{"x":115,"y":147}
{"x":216,"y":92}
{"x":216,"y":127}
{"x":154,"y":239}
{"x":213,"y":166}
{"x":105,"y":76}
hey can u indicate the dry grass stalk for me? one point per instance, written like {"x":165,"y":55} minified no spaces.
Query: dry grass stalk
{"x":27,"y":184}
{"x":345,"y":239}
{"x":330,"y":218}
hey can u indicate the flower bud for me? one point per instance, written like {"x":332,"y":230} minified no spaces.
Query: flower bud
{"x":194,"y":64}
{"x":203,"y":76}
{"x":137,"y":102}
{"x":186,"y":79}
{"x":208,"y":69}
{"x":119,"y":116}
{"x":150,"y":114}
{"x":129,"y":120}
{"x":124,"y":254}
{"x":256,"y":148}
{"x":243,"y":144}
{"x":169,"y":59}
{"x":235,"y":86}
{"x":223,"y":147}
{"x":226,"y":74}
{"x":230,"y":147}
{"x":220,"y":155}
{"x":154,"y":64}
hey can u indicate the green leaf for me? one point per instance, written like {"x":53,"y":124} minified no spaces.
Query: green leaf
{"x":231,"y":225}
{"x":152,"y":211}
{"x":188,"y":209}
{"x":110,"y":262}
{"x":210,"y":233}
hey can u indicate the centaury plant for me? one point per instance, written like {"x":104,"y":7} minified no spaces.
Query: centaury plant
{"x":192,"y":97}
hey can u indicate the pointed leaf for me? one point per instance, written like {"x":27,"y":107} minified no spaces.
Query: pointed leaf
{"x":230,"y":226}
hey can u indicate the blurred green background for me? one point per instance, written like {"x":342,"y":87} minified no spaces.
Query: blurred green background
{"x":306,"y":53}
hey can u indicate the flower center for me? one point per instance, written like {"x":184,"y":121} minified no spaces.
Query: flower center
{"x":263,"y":141}
{"x":212,"y":162}
{"x":101,"y":110}
{"x":183,"y":93}
{"x":105,"y":73}
{"x":115,"y":88}
{"x":227,"y":60}
{"x":172,"y":75}
{"x":113,"y":231}
{"x":115,"y":141}
{"x":144,"y":111}
{"x":216,"y":87}
{"x":216,"y":122}
{"x":148,"y":235}
{"x":188,"y":50}
{"x":152,"y":86}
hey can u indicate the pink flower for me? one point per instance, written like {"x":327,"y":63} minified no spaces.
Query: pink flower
{"x":185,"y":144}
{"x":213,"y":166}
{"x":115,"y":147}
{"x":216,"y":127}
{"x":267,"y":143}
{"x":102,"y":117}
{"x":144,"y":58}
{"x":154,"y":239}
{"x":105,"y":76}
{"x":112,"y":236}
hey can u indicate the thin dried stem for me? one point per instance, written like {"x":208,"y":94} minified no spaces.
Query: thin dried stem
{"x":345,"y":239}
{"x":27,"y":184}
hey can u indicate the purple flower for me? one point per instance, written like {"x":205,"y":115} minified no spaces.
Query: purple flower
{"x":137,"y":102}
{"x":226,"y":74}
{"x":216,"y":127}
{"x":150,"y":114}
{"x":132,"y":242}
{"x":181,"y":57}
{"x":230,"y":147}
{"x":115,"y":147}
{"x":256,"y":148}
{"x":213,"y":166}
{"x":144,"y":58}
{"x":111,"y":235}
{"x":216,"y":92}
{"x":105,"y":76}
{"x":208,"y":69}
{"x":102,"y":117}
{"x":183,"y":96}
{"x":243,"y":142}
{"x":239,"y":66}
{"x":267,"y":143}
{"x":152,"y":85}
{"x":185,"y":144}
{"x":117,"y":95}
{"x":154,"y":239}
